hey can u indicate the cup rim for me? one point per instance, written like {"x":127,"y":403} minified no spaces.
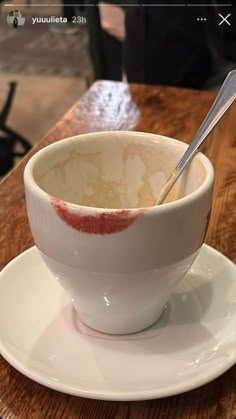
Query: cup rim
{"x":173,"y":205}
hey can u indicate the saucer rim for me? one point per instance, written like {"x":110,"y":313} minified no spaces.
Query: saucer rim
{"x":110,"y":395}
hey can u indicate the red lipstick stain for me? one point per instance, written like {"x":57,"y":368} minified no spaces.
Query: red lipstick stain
{"x":101,"y":223}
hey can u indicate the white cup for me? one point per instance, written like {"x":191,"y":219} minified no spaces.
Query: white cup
{"x":90,"y":207}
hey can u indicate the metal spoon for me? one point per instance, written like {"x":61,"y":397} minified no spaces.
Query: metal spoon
{"x":224,"y":99}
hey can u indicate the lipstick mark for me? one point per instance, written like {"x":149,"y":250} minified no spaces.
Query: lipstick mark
{"x":102,"y":223}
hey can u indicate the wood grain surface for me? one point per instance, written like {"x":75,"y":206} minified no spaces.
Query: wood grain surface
{"x":168,"y":111}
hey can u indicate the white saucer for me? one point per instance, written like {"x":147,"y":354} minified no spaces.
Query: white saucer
{"x":193,"y":343}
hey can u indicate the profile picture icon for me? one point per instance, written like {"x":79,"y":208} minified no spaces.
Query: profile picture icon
{"x":15,"y":18}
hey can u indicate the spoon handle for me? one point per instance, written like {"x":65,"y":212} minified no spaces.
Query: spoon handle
{"x":224,"y":99}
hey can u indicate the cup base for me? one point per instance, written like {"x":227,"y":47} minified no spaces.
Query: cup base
{"x":109,"y":327}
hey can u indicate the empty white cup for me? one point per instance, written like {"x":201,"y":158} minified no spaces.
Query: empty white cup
{"x":89,"y":202}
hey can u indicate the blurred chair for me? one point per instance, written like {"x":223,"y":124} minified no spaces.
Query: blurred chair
{"x":9,"y":139}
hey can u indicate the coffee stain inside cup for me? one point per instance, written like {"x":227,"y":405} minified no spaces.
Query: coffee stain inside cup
{"x":117,"y":174}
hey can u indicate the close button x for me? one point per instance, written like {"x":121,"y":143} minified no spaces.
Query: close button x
{"x":224,"y":19}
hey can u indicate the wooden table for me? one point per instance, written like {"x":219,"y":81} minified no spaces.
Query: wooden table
{"x":168,"y":111}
